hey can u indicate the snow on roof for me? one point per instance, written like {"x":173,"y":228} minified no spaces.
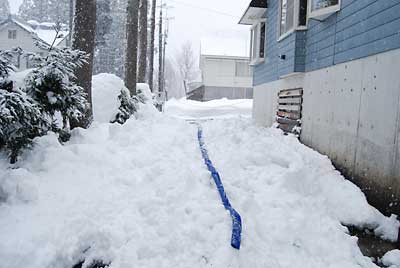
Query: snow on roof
{"x":48,"y":35}
{"x":44,"y":31}
{"x":225,"y":47}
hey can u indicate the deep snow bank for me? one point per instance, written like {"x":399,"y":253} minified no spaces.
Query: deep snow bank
{"x":291,"y":198}
{"x":124,"y":194}
{"x":223,"y":108}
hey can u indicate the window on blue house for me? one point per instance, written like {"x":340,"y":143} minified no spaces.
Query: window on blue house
{"x":303,"y":13}
{"x":292,"y":16}
{"x":321,"y":9}
{"x":257,"y":46}
{"x":286,"y":16}
{"x":321,"y":4}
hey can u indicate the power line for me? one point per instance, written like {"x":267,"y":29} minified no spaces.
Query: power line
{"x":206,"y":9}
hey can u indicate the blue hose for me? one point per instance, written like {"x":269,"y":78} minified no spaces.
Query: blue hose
{"x":236,"y":219}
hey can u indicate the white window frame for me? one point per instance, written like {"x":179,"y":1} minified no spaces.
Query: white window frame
{"x":323,"y":13}
{"x":255,"y":42}
{"x":12,"y":34}
{"x":296,"y":20}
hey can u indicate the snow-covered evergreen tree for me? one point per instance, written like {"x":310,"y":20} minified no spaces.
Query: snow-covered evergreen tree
{"x":52,"y":85}
{"x":4,"y":9}
{"x":20,"y":122}
{"x":20,"y":116}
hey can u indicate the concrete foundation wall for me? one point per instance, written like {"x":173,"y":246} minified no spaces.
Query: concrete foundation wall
{"x":351,"y":112}
{"x":215,"y":93}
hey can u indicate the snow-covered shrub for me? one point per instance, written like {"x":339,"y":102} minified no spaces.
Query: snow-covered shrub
{"x":52,"y":85}
{"x":128,"y":107}
{"x":20,"y":116}
{"x":6,"y":67}
{"x":144,"y":93}
{"x":20,"y":122}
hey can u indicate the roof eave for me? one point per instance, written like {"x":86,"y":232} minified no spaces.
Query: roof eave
{"x":255,"y":6}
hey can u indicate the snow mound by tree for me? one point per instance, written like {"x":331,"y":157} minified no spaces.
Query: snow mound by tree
{"x":106,"y":88}
{"x":222,"y":108}
{"x":144,"y":89}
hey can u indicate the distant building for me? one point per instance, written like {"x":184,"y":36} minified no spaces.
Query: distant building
{"x":15,"y":32}
{"x":225,"y":72}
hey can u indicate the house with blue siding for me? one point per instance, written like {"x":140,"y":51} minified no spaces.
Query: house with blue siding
{"x":329,"y":71}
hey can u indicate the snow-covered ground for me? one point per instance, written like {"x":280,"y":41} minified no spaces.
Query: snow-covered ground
{"x":139,"y":195}
{"x":223,"y":108}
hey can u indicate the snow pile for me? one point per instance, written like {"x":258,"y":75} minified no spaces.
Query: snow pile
{"x":223,"y":108}
{"x":392,"y":259}
{"x":291,"y":198}
{"x":106,"y":88}
{"x":124,"y":194}
{"x":144,"y":89}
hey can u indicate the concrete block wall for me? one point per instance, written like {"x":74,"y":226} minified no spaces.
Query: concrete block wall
{"x":351,"y":112}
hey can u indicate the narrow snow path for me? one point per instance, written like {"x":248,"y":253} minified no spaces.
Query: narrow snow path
{"x":139,"y":195}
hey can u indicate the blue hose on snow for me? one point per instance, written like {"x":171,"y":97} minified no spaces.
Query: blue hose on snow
{"x":236,"y":219}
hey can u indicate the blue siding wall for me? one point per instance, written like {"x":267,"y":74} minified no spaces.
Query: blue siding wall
{"x":361,"y":28}
{"x":274,"y":67}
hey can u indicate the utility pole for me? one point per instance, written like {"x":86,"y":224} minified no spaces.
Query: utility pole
{"x":163,"y":37}
{"x":166,"y":32}
{"x":160,"y":51}
{"x":152,"y":42}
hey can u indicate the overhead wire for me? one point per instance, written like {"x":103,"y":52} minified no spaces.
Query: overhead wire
{"x":205,"y":9}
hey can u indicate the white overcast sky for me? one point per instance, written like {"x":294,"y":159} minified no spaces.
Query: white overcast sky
{"x":194,"y":20}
